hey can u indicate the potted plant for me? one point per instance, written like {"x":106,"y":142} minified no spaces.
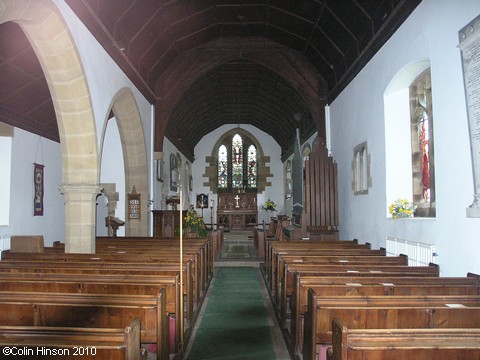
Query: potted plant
{"x":194,"y":224}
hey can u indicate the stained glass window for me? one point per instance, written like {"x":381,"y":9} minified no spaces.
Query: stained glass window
{"x":237,"y":162}
{"x":423,"y":140}
{"x":423,"y":169}
{"x":222,"y":167}
{"x":252,"y":166}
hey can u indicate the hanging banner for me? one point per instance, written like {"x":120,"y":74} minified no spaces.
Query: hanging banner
{"x":38,"y":186}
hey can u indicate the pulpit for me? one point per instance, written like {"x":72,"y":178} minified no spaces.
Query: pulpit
{"x":166,"y":222}
{"x":237,"y":210}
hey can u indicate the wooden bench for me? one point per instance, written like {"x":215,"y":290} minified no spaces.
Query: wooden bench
{"x":276,"y":247}
{"x":103,"y":284}
{"x":368,"y":286}
{"x":50,"y":342}
{"x":389,"y":312}
{"x":398,"y":344}
{"x":89,"y":310}
{"x":146,"y":244}
{"x":284,"y":261}
{"x":129,"y":255}
{"x":274,"y":267}
{"x":285,"y":287}
{"x":123,"y":260}
{"x":102,"y":269}
{"x":149,"y":247}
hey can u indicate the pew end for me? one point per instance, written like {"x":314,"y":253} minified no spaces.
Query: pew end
{"x":27,"y":243}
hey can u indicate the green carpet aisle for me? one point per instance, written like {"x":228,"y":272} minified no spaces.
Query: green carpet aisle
{"x":235,"y":324}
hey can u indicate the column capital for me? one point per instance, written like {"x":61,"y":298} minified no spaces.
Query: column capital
{"x":80,"y":192}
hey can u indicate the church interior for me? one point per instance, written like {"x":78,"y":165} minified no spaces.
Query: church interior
{"x":196,"y":156}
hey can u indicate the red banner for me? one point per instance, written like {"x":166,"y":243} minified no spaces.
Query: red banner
{"x":38,"y":186}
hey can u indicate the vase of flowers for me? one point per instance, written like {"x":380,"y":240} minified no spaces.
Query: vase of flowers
{"x":402,"y":208}
{"x":270,"y":207}
{"x":194,"y":224}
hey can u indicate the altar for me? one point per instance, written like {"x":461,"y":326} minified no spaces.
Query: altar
{"x":237,"y":211}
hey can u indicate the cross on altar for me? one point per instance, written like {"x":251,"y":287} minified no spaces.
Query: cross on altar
{"x":236,"y":201}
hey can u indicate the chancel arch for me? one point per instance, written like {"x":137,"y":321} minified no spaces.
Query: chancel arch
{"x":52,"y":42}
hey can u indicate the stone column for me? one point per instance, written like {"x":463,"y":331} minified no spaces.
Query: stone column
{"x":80,"y":217}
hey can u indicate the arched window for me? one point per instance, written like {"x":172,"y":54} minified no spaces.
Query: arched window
{"x":252,"y":166}
{"x":222,"y":167}
{"x":423,"y":171}
{"x":410,"y":165}
{"x":175,"y":166}
{"x":237,"y":164}
{"x":361,"y":170}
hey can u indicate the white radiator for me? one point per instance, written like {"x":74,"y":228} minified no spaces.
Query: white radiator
{"x":419,"y":254}
{"x":4,"y":243}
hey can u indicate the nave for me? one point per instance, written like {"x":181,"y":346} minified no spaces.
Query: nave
{"x":237,"y":320}
{"x":334,"y":300}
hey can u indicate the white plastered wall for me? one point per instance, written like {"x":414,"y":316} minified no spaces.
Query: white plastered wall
{"x":357,"y":115}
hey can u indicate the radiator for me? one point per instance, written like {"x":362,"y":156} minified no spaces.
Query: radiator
{"x":4,"y":243}
{"x":419,"y":254}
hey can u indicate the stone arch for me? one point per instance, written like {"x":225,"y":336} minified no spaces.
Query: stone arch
{"x":263,"y":168}
{"x":51,"y":40}
{"x":132,"y":138}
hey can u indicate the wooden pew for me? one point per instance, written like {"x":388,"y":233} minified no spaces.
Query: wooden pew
{"x":153,"y":252}
{"x":325,"y":250}
{"x":89,"y":310}
{"x":285,"y":287}
{"x":130,"y":258}
{"x":148,"y":244}
{"x":50,"y":342}
{"x":367,"y":286}
{"x":403,"y":344}
{"x":390,"y":312}
{"x":100,"y":284}
{"x":99,"y":269}
{"x":346,"y":260}
{"x":259,"y":241}
{"x":284,"y":247}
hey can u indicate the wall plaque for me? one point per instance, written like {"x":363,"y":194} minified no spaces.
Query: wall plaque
{"x":469,"y":44}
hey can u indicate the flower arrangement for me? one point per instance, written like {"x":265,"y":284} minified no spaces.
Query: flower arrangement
{"x":269,"y":205}
{"x":402,"y":208}
{"x":193,"y":222}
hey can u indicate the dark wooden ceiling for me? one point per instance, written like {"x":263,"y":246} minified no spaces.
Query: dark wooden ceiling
{"x":148,"y":37}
